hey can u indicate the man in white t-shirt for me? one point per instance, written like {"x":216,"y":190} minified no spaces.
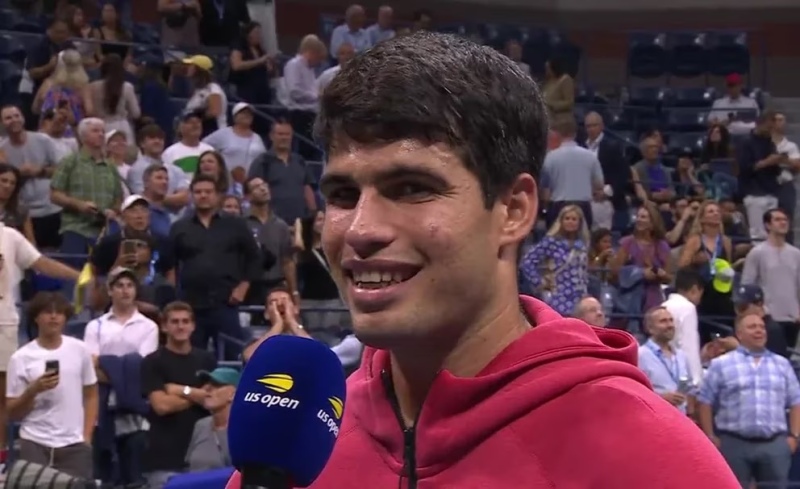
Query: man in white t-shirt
{"x":52,"y":392}
{"x":121,"y":331}
{"x":185,"y":154}
{"x":17,"y":254}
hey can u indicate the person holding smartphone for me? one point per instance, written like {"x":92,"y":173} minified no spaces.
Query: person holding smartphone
{"x":52,"y":392}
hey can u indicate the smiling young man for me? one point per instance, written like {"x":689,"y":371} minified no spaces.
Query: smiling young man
{"x":434,"y":147}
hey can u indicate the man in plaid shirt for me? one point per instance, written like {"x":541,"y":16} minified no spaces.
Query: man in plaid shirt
{"x":745,"y":394}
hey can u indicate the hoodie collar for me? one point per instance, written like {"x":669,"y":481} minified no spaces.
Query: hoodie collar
{"x":458,"y":413}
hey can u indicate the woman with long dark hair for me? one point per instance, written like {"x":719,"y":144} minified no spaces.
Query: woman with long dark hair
{"x":111,"y":32}
{"x":251,"y":67}
{"x":79,"y":28}
{"x":114,"y":99}
{"x":212,"y":164}
{"x":12,"y":214}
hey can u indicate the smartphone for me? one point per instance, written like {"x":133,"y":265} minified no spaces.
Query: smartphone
{"x":51,"y":366}
{"x":129,"y":247}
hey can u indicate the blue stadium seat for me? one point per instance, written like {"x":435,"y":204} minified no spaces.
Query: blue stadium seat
{"x":31,"y":25}
{"x":688,"y":54}
{"x":10,"y":75}
{"x":692,"y":97}
{"x":536,"y":51}
{"x":8,"y":18}
{"x":145,"y":33}
{"x":75,"y":329}
{"x":647,"y":55}
{"x":586,"y":95}
{"x":569,"y":53}
{"x":12,"y":50}
{"x":646,"y":96}
{"x":494,"y":36}
{"x":623,"y":121}
{"x":685,"y":143}
{"x":686,"y":120}
{"x":729,"y":53}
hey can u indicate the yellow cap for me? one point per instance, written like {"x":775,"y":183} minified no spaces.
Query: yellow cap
{"x":201,"y":61}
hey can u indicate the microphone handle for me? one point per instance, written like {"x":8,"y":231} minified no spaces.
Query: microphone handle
{"x":264,"y":478}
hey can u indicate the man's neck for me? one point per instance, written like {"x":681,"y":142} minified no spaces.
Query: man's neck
{"x":191,"y":142}
{"x":181,"y":348}
{"x":205,"y":216}
{"x":777,"y":137}
{"x":220,"y":418}
{"x":663,"y":344}
{"x":153,"y":198}
{"x":414,"y":369}
{"x":282,"y":153}
{"x":50,"y":342}
{"x":776,"y":240}
{"x":123,"y":312}
{"x":95,"y":153}
{"x":153,"y":156}
{"x":261,"y":211}
{"x":56,"y":134}
{"x":18,"y":138}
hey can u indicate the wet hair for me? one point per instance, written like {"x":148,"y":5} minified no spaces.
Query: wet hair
{"x":441,"y":88}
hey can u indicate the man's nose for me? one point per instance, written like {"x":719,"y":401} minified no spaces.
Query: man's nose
{"x":370,"y":228}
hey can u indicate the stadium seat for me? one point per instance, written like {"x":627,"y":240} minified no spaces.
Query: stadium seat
{"x":12,"y":50}
{"x":647,"y":55}
{"x":536,"y":51}
{"x":75,"y":329}
{"x":729,"y":53}
{"x":494,"y":36}
{"x":692,"y":97}
{"x":680,"y":143}
{"x":686,"y":120}
{"x":10,"y":75}
{"x":145,"y":34}
{"x":31,"y":25}
{"x":623,"y":121}
{"x":587,"y":96}
{"x":569,"y":53}
{"x":8,"y":18}
{"x":645,"y":96}
{"x":688,"y":54}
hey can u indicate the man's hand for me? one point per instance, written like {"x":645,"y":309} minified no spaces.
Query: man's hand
{"x":46,"y":382}
{"x":292,"y":323}
{"x":674,"y":398}
{"x":275,"y":318}
{"x":87,"y":207}
{"x":661,"y":273}
{"x":238,"y":294}
{"x":30,"y":170}
{"x":174,"y":389}
{"x":792,"y":441}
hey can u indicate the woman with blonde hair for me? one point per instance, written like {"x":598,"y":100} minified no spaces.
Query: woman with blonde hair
{"x":710,"y":252}
{"x":557,"y":266}
{"x":647,"y":249}
{"x":65,"y":89}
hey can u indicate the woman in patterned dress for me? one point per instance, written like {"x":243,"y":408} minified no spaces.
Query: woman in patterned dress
{"x":556,"y":267}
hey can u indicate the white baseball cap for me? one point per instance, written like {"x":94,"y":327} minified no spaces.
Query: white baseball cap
{"x":240,"y":107}
{"x":133,"y":199}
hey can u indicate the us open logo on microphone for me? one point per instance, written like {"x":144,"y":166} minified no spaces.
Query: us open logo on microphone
{"x":278,"y":383}
{"x":332,"y":420}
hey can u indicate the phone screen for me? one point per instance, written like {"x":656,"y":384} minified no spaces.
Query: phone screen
{"x":51,"y":366}
{"x":129,"y":247}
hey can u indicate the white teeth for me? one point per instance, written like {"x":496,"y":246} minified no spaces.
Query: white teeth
{"x":383,"y":278}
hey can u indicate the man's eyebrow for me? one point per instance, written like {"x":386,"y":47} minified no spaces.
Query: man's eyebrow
{"x":394,"y":172}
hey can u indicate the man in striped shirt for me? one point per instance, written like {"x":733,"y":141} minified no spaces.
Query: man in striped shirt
{"x":745,"y":394}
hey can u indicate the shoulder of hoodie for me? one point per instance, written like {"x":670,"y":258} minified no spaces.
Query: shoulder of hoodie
{"x":633,"y":437}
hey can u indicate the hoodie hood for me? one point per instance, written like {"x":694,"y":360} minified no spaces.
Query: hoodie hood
{"x":556,"y":355}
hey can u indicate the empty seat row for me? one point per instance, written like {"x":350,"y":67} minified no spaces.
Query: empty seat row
{"x":687,"y":54}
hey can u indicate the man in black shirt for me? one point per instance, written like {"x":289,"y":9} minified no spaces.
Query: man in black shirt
{"x":43,"y":58}
{"x":759,"y":168}
{"x":217,"y":257}
{"x":171,"y":384}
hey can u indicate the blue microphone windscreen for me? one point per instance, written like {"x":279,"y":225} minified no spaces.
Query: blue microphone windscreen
{"x":288,"y":408}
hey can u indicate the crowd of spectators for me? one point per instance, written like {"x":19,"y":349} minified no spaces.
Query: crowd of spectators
{"x":177,"y":247}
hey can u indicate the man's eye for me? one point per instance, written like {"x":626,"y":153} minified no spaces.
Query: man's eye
{"x":410,"y":190}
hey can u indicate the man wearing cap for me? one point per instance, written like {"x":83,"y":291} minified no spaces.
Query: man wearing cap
{"x":208,"y":448}
{"x":185,"y":154}
{"x":137,"y":249}
{"x":237,"y":143}
{"x":724,"y":110}
{"x":121,"y":332}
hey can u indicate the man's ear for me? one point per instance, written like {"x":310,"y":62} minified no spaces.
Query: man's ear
{"x":521,"y":203}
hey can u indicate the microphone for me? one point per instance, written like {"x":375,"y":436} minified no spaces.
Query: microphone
{"x":286,"y":413}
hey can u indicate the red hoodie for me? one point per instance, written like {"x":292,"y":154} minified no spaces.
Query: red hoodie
{"x":562,"y":407}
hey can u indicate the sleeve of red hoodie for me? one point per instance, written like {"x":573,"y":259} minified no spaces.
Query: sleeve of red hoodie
{"x":619,"y":434}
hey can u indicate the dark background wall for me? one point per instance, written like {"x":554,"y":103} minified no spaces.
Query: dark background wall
{"x":599,"y":27}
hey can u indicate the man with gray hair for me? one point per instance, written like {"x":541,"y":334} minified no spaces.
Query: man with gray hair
{"x":352,"y":31}
{"x":384,"y":28}
{"x":616,"y":171}
{"x":89,"y":189}
{"x":590,"y":311}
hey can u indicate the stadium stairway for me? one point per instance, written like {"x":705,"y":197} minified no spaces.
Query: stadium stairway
{"x":790,"y":106}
